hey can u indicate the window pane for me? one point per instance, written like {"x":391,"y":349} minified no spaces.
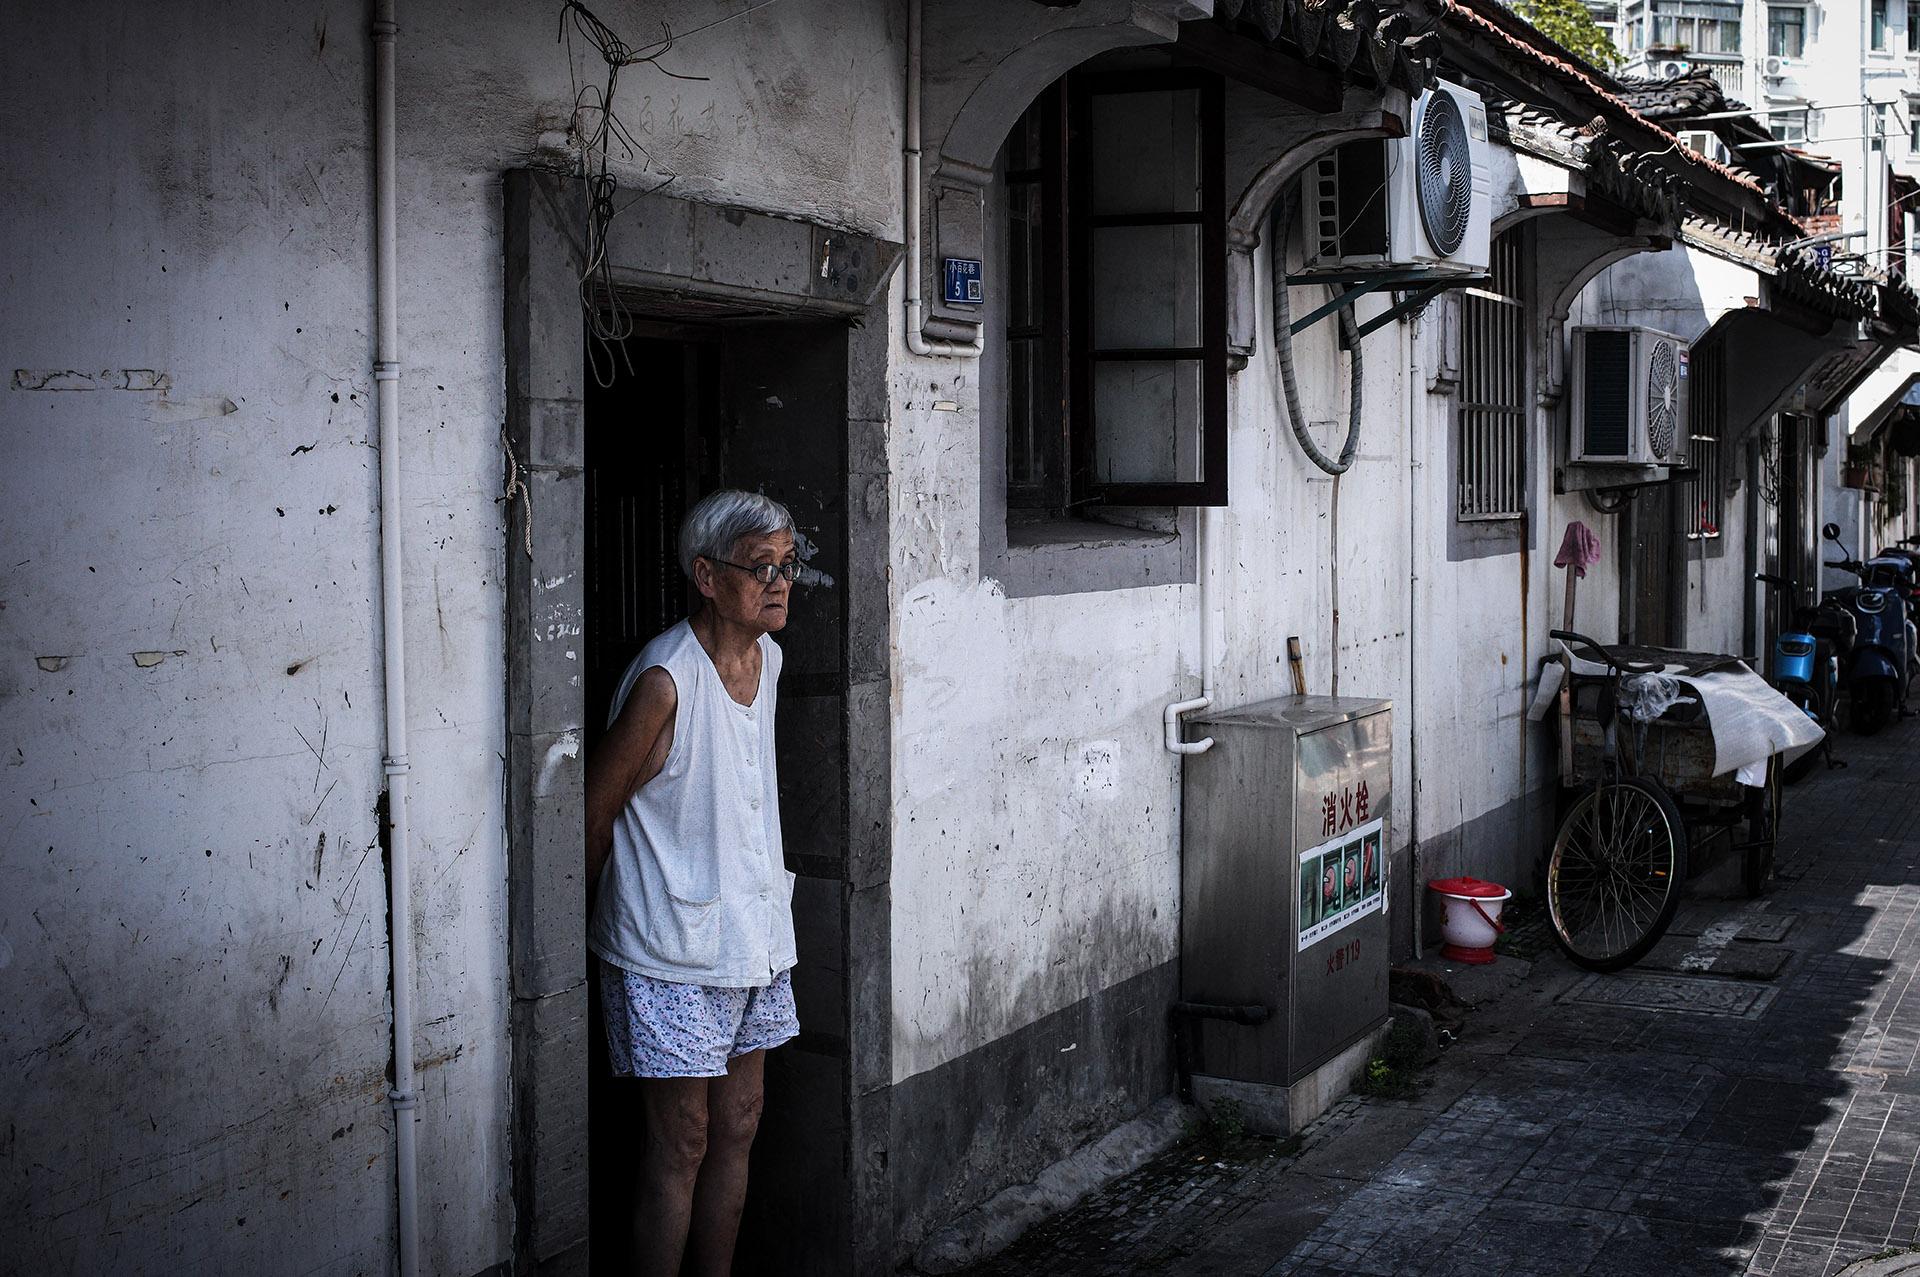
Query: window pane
{"x":1145,"y":152}
{"x":1786,"y":31}
{"x":1148,"y":414}
{"x":1913,"y":26}
{"x":1024,"y":453}
{"x":1879,"y":24}
{"x":1026,"y":253}
{"x":1146,"y":287}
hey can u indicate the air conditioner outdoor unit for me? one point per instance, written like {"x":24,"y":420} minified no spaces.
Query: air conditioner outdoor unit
{"x":1629,"y":396}
{"x":1706,"y":142}
{"x":1670,"y":70}
{"x":1778,"y":67}
{"x":1424,"y":200}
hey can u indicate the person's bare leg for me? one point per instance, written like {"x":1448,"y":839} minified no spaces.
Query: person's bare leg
{"x":670,"y":1159}
{"x":733,"y":1115}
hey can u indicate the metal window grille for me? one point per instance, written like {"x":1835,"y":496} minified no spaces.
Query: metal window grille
{"x":1704,"y":503}
{"x":1491,"y":482}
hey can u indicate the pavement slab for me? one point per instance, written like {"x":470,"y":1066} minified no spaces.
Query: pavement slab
{"x":1747,"y":1100}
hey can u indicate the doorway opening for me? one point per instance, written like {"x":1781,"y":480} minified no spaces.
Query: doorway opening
{"x":756,"y":403}
{"x":646,"y":452}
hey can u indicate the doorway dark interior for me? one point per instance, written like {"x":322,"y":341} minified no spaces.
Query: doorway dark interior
{"x":760,"y":404}
{"x":1794,"y":559}
{"x":645,"y":449}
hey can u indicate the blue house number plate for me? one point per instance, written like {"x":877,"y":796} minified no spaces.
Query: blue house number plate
{"x":963,"y":285}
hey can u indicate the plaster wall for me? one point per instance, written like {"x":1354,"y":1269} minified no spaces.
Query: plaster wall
{"x":1867,"y":521}
{"x":194,"y":916}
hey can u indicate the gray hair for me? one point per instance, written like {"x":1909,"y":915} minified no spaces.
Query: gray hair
{"x":716,"y":524}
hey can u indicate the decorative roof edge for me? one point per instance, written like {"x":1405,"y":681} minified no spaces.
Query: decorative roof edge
{"x":1369,"y":40}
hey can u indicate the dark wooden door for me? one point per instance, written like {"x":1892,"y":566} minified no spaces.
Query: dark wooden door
{"x":1647,"y":552}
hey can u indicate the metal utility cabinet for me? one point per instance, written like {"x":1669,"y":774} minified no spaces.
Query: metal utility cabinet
{"x":1284,"y":895}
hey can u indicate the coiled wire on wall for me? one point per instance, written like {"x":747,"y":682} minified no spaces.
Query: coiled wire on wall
{"x":1283,"y":350}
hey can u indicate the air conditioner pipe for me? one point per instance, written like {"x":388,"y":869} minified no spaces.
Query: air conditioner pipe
{"x":1283,"y":353}
{"x":386,"y":374}
{"x":917,"y":340}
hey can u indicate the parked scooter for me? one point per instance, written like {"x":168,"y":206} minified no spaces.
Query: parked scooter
{"x":1877,"y":674}
{"x":1805,"y":667}
{"x":1904,"y":556}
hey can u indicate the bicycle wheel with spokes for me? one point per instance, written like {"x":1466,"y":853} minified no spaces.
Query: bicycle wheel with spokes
{"x":1614,"y":875}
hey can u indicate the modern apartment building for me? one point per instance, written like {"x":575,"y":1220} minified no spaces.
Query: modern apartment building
{"x":1840,"y":79}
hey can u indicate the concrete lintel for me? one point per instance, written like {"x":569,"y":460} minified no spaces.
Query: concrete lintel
{"x":683,"y":249}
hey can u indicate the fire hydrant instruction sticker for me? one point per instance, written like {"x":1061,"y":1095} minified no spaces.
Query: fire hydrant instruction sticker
{"x":1342,"y":880}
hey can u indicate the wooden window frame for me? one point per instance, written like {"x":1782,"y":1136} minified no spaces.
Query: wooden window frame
{"x":1066,"y":447}
{"x":1211,"y":488}
{"x":1049,"y":338}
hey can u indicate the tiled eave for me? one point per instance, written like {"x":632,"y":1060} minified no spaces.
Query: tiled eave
{"x":1631,"y":131}
{"x":1360,"y":40}
{"x":1796,"y":272}
{"x":1623,"y":177}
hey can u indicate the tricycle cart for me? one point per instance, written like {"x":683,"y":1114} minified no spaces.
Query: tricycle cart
{"x":1638,"y":766}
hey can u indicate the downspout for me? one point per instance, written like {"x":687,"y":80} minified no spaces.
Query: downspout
{"x":917,"y":340}
{"x":1414,"y":491}
{"x":386,"y":375}
{"x":1170,"y":717}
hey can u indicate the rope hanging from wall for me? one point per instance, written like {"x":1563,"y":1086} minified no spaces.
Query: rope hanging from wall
{"x":516,"y":484}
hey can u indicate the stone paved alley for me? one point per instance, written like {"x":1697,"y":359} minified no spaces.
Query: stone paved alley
{"x":1659,"y":1122}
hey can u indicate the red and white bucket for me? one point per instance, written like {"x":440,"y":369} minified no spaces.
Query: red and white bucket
{"x":1469,"y":917}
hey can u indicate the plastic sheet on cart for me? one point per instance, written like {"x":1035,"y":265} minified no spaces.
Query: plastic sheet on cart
{"x":1750,"y":720}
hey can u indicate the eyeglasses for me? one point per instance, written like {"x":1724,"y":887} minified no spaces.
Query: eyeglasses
{"x":765,"y":572}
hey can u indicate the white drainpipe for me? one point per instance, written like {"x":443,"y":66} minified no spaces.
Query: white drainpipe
{"x":917,"y":340}
{"x":1170,"y":717}
{"x":386,"y":375}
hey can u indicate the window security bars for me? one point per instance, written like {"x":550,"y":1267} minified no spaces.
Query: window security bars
{"x":1491,"y":481}
{"x":1703,"y":497}
{"x":1695,"y":27}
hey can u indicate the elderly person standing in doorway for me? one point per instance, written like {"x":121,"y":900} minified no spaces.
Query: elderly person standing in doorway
{"x":693,"y":920}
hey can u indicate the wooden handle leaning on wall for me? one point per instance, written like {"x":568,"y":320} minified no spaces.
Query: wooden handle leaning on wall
{"x":1294,"y":663}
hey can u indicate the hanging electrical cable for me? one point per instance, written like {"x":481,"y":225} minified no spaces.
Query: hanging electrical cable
{"x":609,"y":323}
{"x":1283,"y":354}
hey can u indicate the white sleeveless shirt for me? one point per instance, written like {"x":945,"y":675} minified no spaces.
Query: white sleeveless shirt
{"x":696,"y":890}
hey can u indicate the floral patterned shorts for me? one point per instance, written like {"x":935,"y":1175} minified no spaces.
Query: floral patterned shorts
{"x":656,"y":1028}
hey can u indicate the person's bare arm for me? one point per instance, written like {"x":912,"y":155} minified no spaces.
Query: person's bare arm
{"x":631,"y":753}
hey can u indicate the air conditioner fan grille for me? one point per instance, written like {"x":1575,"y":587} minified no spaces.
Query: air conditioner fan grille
{"x":1443,"y":177}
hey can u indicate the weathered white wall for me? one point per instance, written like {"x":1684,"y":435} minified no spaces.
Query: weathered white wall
{"x":192,"y":901}
{"x":200,"y":1017}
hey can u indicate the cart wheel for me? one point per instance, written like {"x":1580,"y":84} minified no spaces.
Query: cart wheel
{"x":1763,"y":832}
{"x":1614,"y":875}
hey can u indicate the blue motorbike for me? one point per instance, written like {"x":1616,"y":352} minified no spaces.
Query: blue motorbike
{"x":1877,"y":674}
{"x":1805,"y":667}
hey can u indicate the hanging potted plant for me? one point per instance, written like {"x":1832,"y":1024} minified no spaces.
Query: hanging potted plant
{"x":1858,"y":471}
